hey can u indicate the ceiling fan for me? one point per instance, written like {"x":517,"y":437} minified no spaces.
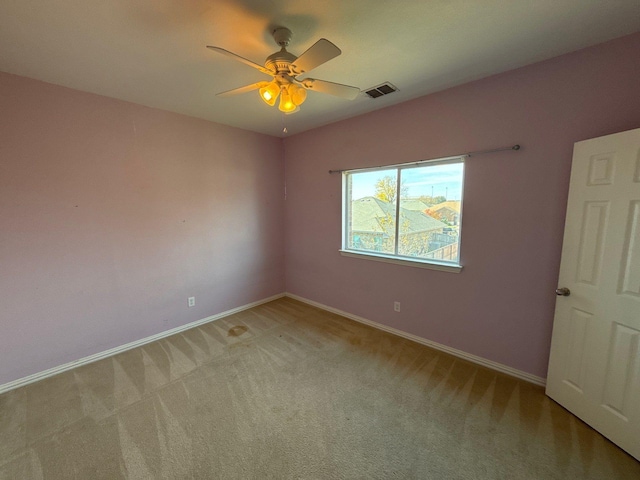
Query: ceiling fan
{"x":285,"y":67}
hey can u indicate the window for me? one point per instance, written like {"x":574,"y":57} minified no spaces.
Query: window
{"x":405,"y":214}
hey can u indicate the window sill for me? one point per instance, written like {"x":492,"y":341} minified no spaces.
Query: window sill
{"x":431,"y":265}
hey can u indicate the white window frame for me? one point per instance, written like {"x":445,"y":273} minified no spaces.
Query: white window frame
{"x":446,"y":266}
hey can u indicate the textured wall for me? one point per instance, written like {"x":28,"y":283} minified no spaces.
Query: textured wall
{"x":112,"y":214}
{"x":501,"y":306}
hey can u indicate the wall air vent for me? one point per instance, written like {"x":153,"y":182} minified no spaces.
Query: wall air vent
{"x":380,"y":90}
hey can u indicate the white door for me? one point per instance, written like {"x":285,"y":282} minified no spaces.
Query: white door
{"x":594,"y":368}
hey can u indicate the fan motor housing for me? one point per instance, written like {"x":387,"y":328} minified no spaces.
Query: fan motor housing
{"x":280,"y":61}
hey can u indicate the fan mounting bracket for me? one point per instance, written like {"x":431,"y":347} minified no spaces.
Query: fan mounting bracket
{"x":282,"y":36}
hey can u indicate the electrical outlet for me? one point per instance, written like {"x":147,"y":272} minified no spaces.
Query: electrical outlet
{"x":396,"y":306}
{"x":191,"y":301}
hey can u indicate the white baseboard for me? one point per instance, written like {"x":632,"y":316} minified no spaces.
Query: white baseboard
{"x":438,"y":346}
{"x":21,"y":382}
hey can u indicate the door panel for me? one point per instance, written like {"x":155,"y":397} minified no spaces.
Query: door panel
{"x":620,"y":370}
{"x":576,"y":366}
{"x":591,"y":242}
{"x":630,"y":271}
{"x":594,"y":366}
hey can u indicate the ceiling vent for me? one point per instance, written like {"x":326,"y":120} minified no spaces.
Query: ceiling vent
{"x":380,"y":90}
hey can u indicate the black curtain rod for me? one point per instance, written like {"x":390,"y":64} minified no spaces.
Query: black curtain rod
{"x":468,"y":154}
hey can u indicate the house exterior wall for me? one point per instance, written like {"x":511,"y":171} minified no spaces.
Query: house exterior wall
{"x":501,"y":305}
{"x":445,"y":213}
{"x":112,"y":214}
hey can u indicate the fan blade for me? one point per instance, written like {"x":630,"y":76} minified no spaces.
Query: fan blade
{"x":240,"y":59}
{"x":337,"y":89}
{"x":320,"y":52}
{"x":246,"y":88}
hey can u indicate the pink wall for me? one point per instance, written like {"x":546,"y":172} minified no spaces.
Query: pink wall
{"x":112,"y":214}
{"x":501,"y":306}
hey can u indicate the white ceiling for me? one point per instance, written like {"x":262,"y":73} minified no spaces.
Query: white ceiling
{"x":152,"y":52}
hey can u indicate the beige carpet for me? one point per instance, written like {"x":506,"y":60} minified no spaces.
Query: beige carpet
{"x":285,"y":390}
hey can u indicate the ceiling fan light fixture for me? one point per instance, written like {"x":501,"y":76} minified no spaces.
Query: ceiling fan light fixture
{"x":269,"y":93}
{"x":298,"y":94}
{"x":284,"y":67}
{"x":286,"y":103}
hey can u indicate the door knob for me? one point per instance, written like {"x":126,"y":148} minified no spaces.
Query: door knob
{"x":563,"y":292}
